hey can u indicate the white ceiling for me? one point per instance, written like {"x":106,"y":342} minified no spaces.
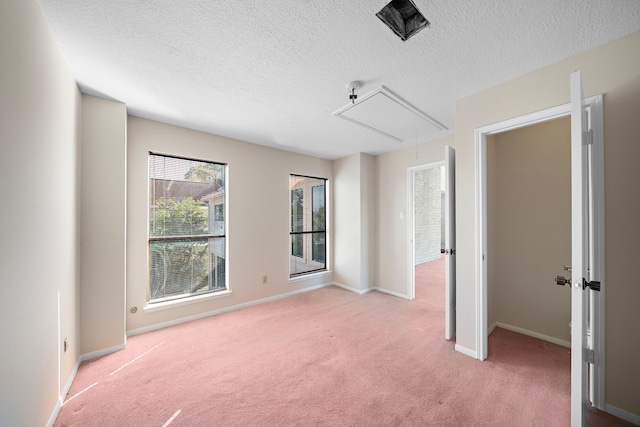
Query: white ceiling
{"x":273,"y":72}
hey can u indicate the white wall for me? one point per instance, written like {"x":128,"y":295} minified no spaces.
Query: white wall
{"x":613,"y":70}
{"x":39,"y":132}
{"x":103,"y":215}
{"x":257,"y":217}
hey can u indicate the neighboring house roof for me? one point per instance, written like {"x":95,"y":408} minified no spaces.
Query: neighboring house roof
{"x":180,"y":190}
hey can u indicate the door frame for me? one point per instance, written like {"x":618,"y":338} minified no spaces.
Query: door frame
{"x":411,"y":253}
{"x":594,"y":104}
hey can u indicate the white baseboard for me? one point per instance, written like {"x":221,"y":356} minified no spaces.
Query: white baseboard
{"x":72,"y":376}
{"x":466,"y":351}
{"x":100,"y":353}
{"x":367,"y":290}
{"x":223,"y":310}
{"x":492,"y":327}
{"x":63,"y":393}
{"x":621,"y":413}
{"x":352,"y":289}
{"x":533,"y":334}
{"x":395,"y":294}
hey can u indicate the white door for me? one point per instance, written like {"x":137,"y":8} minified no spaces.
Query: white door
{"x":450,"y":240}
{"x":580,"y":254}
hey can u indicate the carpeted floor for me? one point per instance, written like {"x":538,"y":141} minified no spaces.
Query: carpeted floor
{"x":324,"y":358}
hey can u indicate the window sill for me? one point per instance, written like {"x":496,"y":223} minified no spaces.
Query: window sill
{"x":309,"y":276}
{"x":149,"y":308}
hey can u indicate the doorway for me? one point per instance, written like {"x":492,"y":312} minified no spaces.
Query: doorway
{"x":439,"y":216}
{"x":428,"y":232}
{"x":592,"y":143}
{"x":529,"y":230}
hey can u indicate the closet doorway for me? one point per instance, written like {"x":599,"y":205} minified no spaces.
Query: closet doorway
{"x":529,"y":230}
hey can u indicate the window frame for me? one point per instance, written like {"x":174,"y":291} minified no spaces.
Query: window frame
{"x":311,"y":232}
{"x":209,"y":237}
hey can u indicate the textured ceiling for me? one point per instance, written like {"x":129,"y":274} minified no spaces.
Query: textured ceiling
{"x":273,"y":72}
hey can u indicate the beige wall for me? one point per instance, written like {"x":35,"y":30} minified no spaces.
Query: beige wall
{"x":369,"y":220}
{"x":529,"y":209}
{"x":347,"y":231}
{"x":39,"y":133}
{"x":622,"y":211}
{"x":258,"y":216}
{"x":391,"y":178}
{"x":102,"y":229}
{"x":614,"y":71}
{"x":355,"y":221}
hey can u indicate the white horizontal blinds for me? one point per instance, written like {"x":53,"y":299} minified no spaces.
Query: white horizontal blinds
{"x":186,"y":227}
{"x":308,"y":225}
{"x":182,"y":193}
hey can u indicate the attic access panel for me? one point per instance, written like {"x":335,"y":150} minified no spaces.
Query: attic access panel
{"x":385,"y":113}
{"x":403,"y":17}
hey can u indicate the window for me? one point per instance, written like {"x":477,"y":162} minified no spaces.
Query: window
{"x":297,"y":208}
{"x":308,"y":225}
{"x":187,"y":243}
{"x":318,"y":247}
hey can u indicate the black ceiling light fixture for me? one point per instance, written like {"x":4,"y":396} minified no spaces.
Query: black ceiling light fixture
{"x":403,"y":17}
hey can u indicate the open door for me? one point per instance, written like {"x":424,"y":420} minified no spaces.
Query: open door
{"x":582,"y":251}
{"x":450,"y":240}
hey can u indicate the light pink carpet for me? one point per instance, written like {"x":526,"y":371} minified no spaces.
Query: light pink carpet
{"x":324,"y":358}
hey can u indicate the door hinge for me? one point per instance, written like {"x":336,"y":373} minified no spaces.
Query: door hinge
{"x":593,"y":285}
{"x":588,"y":137}
{"x":591,"y":356}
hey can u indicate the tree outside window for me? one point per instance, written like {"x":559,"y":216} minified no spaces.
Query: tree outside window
{"x":186,"y":227}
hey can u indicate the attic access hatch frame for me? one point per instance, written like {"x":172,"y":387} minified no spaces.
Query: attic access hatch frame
{"x":387,"y":114}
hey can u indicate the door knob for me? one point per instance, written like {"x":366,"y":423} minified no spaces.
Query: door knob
{"x":562,"y":281}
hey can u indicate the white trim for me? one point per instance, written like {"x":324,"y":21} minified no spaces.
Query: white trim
{"x":367,"y":290}
{"x":481,"y":244}
{"x":595,"y":104}
{"x":304,"y":277}
{"x":164,"y":305}
{"x":393,"y":293}
{"x":492,"y":327}
{"x":100,"y":353}
{"x":621,"y":413}
{"x":63,"y":393}
{"x":72,"y":376}
{"x":411,"y":256}
{"x":466,"y":351}
{"x":598,"y":327}
{"x":149,"y":328}
{"x":352,"y":289}
{"x":543,"y":337}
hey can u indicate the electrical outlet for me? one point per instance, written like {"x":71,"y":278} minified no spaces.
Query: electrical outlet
{"x":265,"y":279}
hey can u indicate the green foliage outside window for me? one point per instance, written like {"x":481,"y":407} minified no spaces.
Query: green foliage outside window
{"x":178,"y":266}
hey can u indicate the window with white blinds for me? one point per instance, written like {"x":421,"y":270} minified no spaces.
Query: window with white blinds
{"x":187,"y":241}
